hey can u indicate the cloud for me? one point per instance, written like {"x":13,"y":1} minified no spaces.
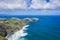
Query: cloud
{"x":12,"y":4}
{"x":28,"y":4}
{"x":42,"y":4}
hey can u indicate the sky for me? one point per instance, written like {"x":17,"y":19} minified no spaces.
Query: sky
{"x":30,"y":7}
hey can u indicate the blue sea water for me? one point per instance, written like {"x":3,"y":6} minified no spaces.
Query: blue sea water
{"x":46,"y":28}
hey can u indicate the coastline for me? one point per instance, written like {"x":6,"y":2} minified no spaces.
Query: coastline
{"x":12,"y":25}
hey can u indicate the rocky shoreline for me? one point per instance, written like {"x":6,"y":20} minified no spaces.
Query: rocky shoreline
{"x":10,"y":25}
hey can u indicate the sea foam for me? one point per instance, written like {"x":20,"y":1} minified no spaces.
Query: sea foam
{"x":18,"y":34}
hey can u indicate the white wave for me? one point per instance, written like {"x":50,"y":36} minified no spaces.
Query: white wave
{"x":18,"y":34}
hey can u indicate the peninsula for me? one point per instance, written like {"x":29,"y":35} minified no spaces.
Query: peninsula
{"x":10,"y":25}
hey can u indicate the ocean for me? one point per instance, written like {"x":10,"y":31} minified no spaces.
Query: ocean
{"x":46,"y":28}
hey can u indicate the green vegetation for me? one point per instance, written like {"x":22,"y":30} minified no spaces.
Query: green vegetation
{"x":10,"y":25}
{"x":2,"y":38}
{"x":14,"y":22}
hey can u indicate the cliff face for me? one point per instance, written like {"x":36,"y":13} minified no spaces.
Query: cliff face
{"x":11,"y":25}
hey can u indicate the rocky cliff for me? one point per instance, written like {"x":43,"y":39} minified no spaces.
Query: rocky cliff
{"x":10,"y":25}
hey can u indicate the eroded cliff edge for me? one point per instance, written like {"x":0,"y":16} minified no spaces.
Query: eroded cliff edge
{"x":10,"y":25}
